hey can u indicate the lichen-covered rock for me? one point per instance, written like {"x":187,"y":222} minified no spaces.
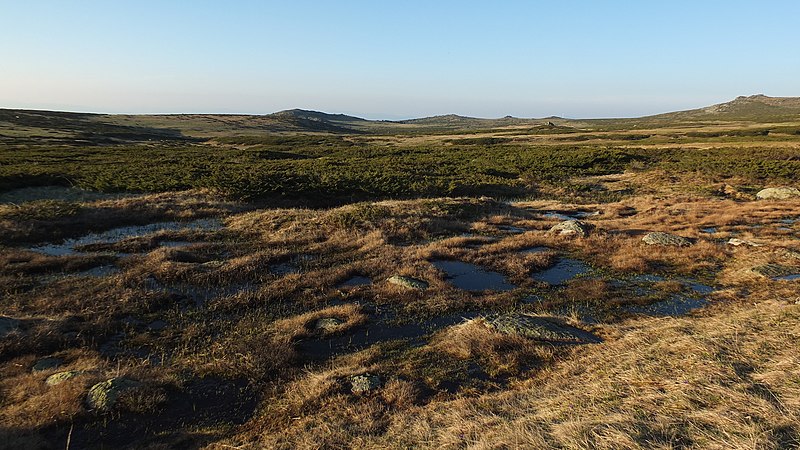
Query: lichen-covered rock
{"x":572,"y":228}
{"x":778,"y":193}
{"x":104,"y":395}
{"x":736,"y":242}
{"x":364,"y":383}
{"x":659,"y":238}
{"x":47,"y":364}
{"x":8,"y":325}
{"x":775,"y":270}
{"x":60,"y":377}
{"x":408,"y":282}
{"x":328,"y":324}
{"x":540,"y":328}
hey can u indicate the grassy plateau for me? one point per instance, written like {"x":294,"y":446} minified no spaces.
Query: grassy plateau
{"x":308,"y":280}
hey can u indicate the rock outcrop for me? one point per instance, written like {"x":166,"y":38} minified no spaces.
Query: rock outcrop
{"x":408,"y":282}
{"x":778,"y":193}
{"x":546,"y":329}
{"x":659,"y":238}
{"x":365,"y":383}
{"x":572,"y":228}
{"x":104,"y":395}
{"x":60,"y":377}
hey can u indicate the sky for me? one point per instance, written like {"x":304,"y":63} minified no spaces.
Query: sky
{"x":394,"y":60}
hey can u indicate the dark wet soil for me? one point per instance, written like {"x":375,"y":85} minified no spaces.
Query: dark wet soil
{"x":355,"y":281}
{"x":202,"y":403}
{"x":376,"y":332}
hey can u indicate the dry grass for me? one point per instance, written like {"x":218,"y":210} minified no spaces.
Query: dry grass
{"x":728,"y":380}
{"x":723,"y":378}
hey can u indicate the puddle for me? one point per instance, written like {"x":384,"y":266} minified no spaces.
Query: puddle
{"x":556,"y":215}
{"x":68,"y":247}
{"x":62,"y":193}
{"x":565,"y":269}
{"x":99,"y":271}
{"x":708,"y":230}
{"x":511,"y":229}
{"x":568,"y":215}
{"x":790,"y":220}
{"x":471,"y":277}
{"x":376,"y":333}
{"x":537,"y":249}
{"x":647,"y":278}
{"x":792,"y":277}
{"x":696,"y":286}
{"x":692,"y":297}
{"x":355,"y":282}
{"x":676,"y":305}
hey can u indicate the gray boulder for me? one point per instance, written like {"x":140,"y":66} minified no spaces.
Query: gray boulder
{"x":365,"y":383}
{"x":572,"y":228}
{"x":659,"y":238}
{"x":408,"y":282}
{"x":104,"y":395}
{"x":8,"y":325}
{"x":778,"y":193}
{"x":547,"y":329}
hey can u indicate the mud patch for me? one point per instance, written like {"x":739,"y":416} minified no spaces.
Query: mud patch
{"x":355,"y":281}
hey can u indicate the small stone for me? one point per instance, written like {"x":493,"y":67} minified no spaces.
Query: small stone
{"x":659,"y":238}
{"x":47,"y":364}
{"x":738,"y":242}
{"x":365,"y":383}
{"x":102,"y":396}
{"x":408,"y":282}
{"x":572,"y":228}
{"x":60,"y":377}
{"x":778,"y":193}
{"x":328,"y":324}
{"x":8,"y":325}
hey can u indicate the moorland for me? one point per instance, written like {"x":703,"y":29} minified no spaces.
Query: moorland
{"x":313,"y":280}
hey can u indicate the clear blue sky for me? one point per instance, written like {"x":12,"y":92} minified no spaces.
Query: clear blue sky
{"x":379,"y":59}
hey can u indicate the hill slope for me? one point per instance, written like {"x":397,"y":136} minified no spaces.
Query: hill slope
{"x":21,"y":126}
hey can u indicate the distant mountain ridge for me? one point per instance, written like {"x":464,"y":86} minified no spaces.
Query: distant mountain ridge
{"x":316,"y":115}
{"x":18,"y":125}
